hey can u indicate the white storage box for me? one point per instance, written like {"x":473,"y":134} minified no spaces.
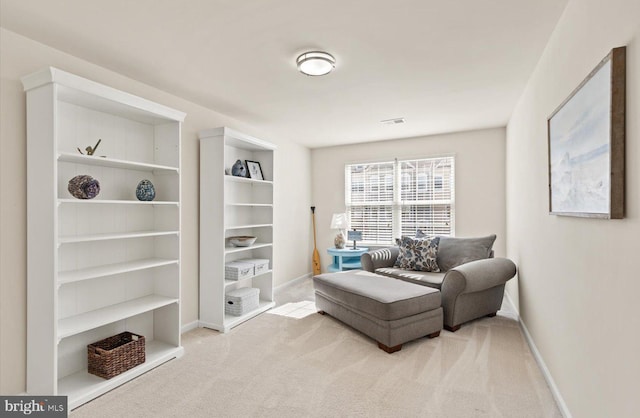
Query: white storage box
{"x":236,"y":270}
{"x":260,"y":264}
{"x":240,"y":301}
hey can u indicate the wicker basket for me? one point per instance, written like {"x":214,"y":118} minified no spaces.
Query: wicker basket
{"x":109,"y":357}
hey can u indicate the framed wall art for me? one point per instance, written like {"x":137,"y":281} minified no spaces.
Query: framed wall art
{"x":586,"y":145}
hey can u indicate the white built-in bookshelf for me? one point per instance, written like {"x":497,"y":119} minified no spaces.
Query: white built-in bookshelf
{"x":100,"y":266}
{"x":233,"y":206}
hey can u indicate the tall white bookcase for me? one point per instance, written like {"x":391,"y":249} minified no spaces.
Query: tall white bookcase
{"x":233,"y":206}
{"x":102,"y":266}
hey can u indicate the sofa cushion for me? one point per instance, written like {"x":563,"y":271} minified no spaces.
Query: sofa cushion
{"x":418,"y":277}
{"x":453,"y":252}
{"x":418,"y":254}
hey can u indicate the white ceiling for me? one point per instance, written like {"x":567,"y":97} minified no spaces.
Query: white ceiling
{"x":443,"y":65}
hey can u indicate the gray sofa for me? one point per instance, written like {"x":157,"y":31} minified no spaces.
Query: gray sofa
{"x":470,"y":280}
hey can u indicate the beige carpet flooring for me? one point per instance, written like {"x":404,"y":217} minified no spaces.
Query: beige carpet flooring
{"x":276,"y":366}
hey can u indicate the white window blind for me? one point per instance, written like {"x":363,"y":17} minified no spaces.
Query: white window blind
{"x":389,"y":199}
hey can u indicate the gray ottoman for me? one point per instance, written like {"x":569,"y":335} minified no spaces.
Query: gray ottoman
{"x":391,"y":311}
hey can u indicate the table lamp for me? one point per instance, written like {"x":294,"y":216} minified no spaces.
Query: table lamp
{"x":339,"y":221}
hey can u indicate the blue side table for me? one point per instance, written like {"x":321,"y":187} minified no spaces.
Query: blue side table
{"x":346,"y":258}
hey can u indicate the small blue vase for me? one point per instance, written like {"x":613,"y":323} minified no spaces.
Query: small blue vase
{"x":145,"y":191}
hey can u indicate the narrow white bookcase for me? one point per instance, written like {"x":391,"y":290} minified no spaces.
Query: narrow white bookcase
{"x":233,"y":206}
{"x":105,"y":265}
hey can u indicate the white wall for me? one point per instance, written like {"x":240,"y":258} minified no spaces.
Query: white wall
{"x":480,"y":181}
{"x":21,"y":56}
{"x":578,"y":278}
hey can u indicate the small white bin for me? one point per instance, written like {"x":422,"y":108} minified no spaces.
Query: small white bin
{"x":260,"y":264}
{"x":236,"y":270}
{"x":240,"y":301}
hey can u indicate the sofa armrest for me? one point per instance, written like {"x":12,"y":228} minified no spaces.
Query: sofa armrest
{"x":384,"y":257}
{"x":478,"y":275}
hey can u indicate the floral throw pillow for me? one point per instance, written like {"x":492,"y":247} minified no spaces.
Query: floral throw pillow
{"x":418,"y":254}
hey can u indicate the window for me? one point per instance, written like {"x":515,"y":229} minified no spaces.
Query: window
{"x":389,"y":199}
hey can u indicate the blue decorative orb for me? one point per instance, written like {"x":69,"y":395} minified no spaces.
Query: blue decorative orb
{"x":145,"y":191}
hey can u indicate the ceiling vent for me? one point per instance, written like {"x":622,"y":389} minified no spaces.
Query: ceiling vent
{"x":393,"y":121}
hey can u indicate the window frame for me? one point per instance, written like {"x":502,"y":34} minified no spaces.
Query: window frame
{"x":397,"y":204}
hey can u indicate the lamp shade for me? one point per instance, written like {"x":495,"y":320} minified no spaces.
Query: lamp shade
{"x":339,"y":221}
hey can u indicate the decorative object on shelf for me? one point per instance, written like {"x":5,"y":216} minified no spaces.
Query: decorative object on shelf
{"x":242,"y":240}
{"x":254,"y":169}
{"x":145,"y":191}
{"x":339,"y":221}
{"x":114,"y":355}
{"x":586,"y":135}
{"x":354,"y":236}
{"x":91,"y":150}
{"x":261,"y":265}
{"x":243,"y":300}
{"x":315,"y":63}
{"x":238,"y":169}
{"x":236,"y":270}
{"x":84,"y":186}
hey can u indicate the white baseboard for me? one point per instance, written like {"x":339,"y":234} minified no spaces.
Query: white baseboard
{"x":188,"y":327}
{"x":564,"y":409}
{"x":292,"y":282}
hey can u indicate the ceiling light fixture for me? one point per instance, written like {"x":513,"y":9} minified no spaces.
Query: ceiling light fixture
{"x":316,"y":63}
